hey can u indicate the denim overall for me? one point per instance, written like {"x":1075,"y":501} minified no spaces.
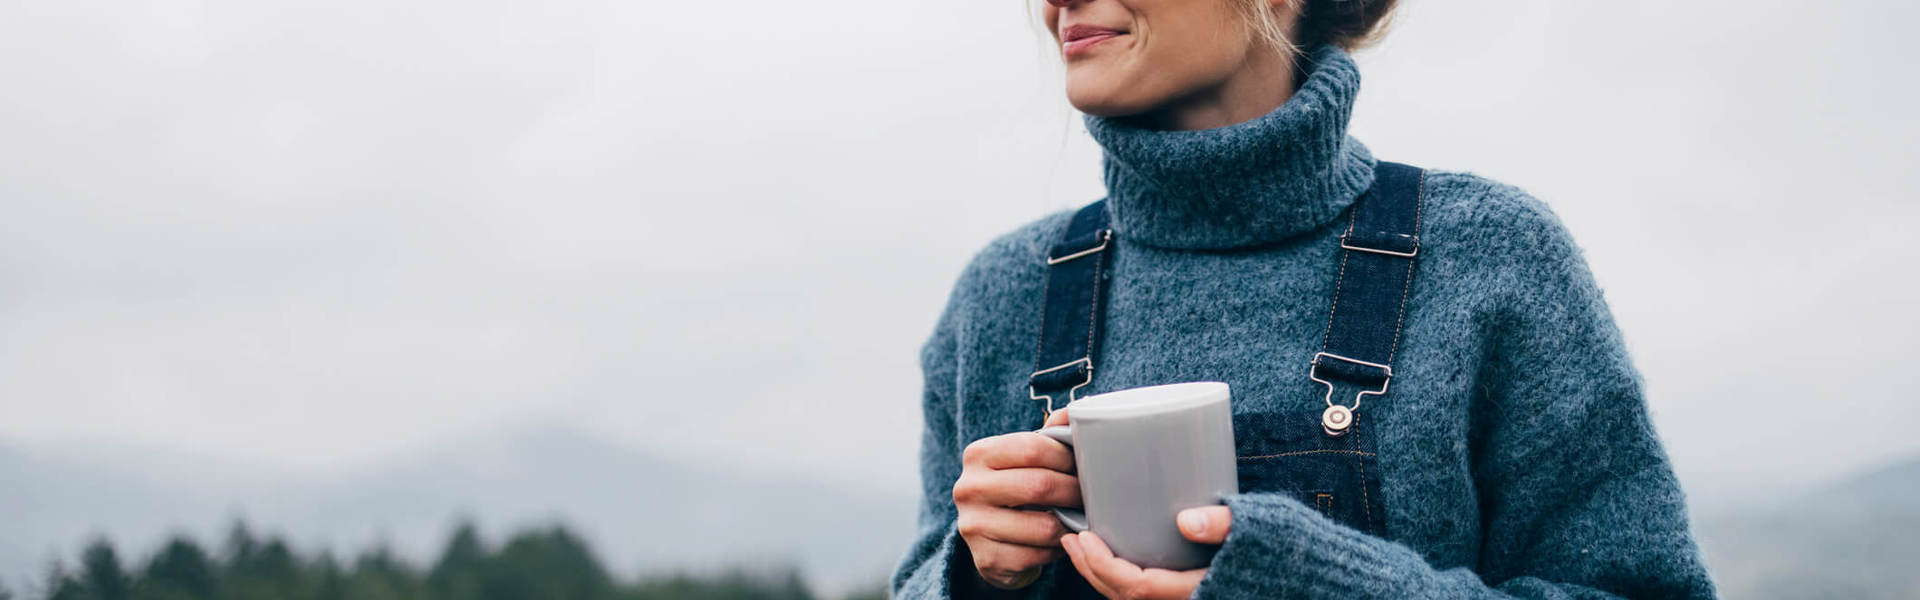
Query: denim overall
{"x":1324,"y":458}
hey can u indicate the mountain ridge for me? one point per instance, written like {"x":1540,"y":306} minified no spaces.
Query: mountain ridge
{"x":646,"y":512}
{"x":1847,"y":537}
{"x":641,"y":511}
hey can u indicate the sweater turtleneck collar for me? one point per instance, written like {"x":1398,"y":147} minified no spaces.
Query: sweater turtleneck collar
{"x":1248,"y":184}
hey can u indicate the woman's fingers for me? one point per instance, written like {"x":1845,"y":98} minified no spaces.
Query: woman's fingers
{"x":1059,"y":417}
{"x":1206,"y":525}
{"x":1020,"y":487}
{"x":999,"y":475}
{"x":1121,"y":576}
{"x":1032,"y":528}
{"x":996,"y":539}
{"x":1010,"y":566}
{"x":1019,"y":450}
{"x":1114,"y":577}
{"x":1078,"y":555}
{"x":1032,"y":487}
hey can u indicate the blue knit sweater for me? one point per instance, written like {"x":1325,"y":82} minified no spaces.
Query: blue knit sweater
{"x":1515,"y":453}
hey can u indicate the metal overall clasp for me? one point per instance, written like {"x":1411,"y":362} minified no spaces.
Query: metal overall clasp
{"x":1338,"y":419}
{"x":1035,"y":393}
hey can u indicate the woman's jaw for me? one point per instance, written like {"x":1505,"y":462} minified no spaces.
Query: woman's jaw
{"x":1175,"y":64}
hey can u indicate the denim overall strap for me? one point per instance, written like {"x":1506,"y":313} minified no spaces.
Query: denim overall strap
{"x":1377,"y":255}
{"x":1074,"y":301}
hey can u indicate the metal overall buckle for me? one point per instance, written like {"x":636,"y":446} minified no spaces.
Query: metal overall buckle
{"x":1412,"y":251}
{"x":1035,"y":393}
{"x":1338,"y":419}
{"x":1105,"y":235}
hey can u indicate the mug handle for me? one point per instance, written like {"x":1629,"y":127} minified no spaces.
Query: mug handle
{"x":1074,"y":519}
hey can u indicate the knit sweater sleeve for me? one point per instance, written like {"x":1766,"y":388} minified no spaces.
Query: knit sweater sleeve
{"x":938,"y":564}
{"x":924,"y":572}
{"x":1577,"y":498}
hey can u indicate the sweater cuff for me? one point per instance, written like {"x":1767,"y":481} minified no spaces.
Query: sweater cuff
{"x":1278,"y":547}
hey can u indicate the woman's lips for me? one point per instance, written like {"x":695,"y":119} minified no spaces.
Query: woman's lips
{"x":1078,"y":39}
{"x":1081,"y":45}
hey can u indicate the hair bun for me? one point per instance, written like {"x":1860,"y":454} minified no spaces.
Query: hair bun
{"x":1349,"y":24}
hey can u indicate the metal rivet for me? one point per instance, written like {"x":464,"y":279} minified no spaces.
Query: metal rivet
{"x":1336,"y":420}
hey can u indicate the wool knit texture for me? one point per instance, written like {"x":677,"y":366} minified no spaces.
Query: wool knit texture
{"x":1516,"y":455}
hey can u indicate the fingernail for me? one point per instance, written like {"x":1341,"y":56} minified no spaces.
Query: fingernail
{"x":1194,"y":521}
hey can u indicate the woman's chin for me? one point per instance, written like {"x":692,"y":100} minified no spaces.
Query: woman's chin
{"x":1107,"y":103}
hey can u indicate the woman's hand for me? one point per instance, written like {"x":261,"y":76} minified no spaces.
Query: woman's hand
{"x":999,"y":476}
{"x":1118,"y":579}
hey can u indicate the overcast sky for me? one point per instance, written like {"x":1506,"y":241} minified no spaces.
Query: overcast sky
{"x":312,"y":235}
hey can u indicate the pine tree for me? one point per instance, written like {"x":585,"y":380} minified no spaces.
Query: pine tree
{"x":101,"y":572}
{"x":180,"y":568}
{"x":63,"y":585}
{"x":328,"y":582}
{"x":550,"y":563}
{"x":241,"y":545}
{"x":379,"y":575}
{"x":461,"y":572}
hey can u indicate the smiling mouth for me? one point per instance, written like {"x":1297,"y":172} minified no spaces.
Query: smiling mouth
{"x":1080,"y":38}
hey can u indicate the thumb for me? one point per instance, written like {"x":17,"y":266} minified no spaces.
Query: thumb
{"x":1206,"y":525}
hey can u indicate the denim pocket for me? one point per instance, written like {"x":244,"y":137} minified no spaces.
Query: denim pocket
{"x":1288,"y":453}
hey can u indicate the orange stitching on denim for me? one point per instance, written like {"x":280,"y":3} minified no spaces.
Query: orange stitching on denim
{"x":1326,"y":504}
{"x":1303,"y":452}
{"x":1366,"y":504}
{"x":1338,"y":280}
{"x":1093,"y":312}
{"x":1093,"y":316}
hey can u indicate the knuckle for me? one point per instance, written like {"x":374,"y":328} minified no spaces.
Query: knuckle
{"x":986,"y":569}
{"x":975,"y":451}
{"x":991,"y":564}
{"x":1011,"y":579}
{"x":1034,"y":452}
{"x":1040,"y":533}
{"x":1040,"y":487}
{"x":967,"y":525}
{"x":1051,"y":528}
{"x":965,"y":490}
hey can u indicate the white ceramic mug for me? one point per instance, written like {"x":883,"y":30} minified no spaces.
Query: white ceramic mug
{"x":1143,"y":455}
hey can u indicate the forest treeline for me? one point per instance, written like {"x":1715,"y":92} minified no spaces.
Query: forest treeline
{"x":548,"y":563}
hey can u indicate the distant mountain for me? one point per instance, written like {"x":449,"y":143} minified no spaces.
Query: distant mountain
{"x":1857,"y":538}
{"x":643,"y":513}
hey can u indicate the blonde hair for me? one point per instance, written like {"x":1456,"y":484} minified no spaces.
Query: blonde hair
{"x":1265,"y":24}
{"x":1349,"y":24}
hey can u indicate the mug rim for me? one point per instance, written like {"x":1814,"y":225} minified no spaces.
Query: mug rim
{"x":1148,"y":400}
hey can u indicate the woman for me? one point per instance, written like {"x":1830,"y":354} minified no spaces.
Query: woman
{"x":1510,"y":456}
